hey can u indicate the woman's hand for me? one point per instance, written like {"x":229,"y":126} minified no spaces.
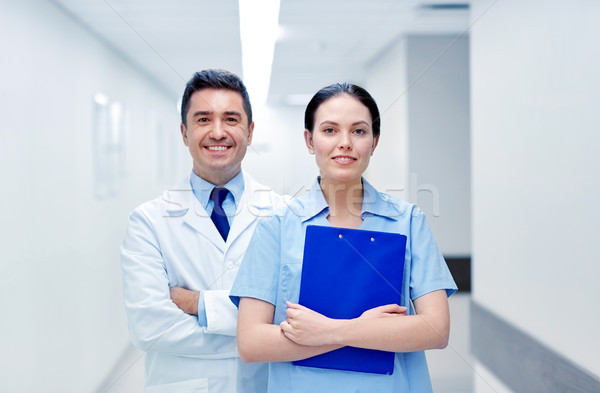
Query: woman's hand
{"x":389,"y":310}
{"x":307,"y":327}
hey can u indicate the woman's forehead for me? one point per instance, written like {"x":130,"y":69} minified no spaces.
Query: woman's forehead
{"x":342,"y":107}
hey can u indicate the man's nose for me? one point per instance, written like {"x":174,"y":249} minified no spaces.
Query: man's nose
{"x":218,"y":130}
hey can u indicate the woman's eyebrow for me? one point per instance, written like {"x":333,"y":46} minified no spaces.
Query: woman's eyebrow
{"x":328,"y":122}
{"x":354,"y":124}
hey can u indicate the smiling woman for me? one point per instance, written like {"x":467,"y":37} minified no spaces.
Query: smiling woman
{"x":343,"y":140}
{"x":342,"y":131}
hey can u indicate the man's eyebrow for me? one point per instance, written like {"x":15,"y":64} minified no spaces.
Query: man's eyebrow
{"x":232,"y":113}
{"x":201,"y":113}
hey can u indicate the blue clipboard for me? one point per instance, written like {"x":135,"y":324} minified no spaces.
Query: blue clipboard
{"x":344,"y":273}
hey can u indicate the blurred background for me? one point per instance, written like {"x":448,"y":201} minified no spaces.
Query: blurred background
{"x":489,"y":122}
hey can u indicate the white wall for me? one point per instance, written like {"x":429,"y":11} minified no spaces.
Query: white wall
{"x":421,"y":87}
{"x":535,"y":143}
{"x":278,"y":156}
{"x":386,"y":81}
{"x":439,"y":124}
{"x":63,"y":324}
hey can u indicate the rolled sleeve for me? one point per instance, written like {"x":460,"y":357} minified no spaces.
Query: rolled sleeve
{"x":221,"y":315}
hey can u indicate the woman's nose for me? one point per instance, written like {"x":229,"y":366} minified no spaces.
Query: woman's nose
{"x":345,"y":141}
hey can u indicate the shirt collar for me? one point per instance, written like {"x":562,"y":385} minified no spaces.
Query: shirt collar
{"x":315,"y":202}
{"x":376,"y":203}
{"x":373,"y":202}
{"x":202,"y":188}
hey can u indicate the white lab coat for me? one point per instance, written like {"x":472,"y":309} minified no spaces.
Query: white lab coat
{"x":171,"y":241}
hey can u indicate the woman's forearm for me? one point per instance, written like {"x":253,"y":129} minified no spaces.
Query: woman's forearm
{"x":261,"y":341}
{"x":428,"y":329}
{"x":407,"y":333}
{"x":266,"y":343}
{"x":385,"y":328}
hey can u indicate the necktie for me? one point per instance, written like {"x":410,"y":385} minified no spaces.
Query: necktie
{"x":218,"y":215}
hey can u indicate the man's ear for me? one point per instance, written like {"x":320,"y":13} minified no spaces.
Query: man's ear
{"x":184,"y":134}
{"x":375,"y":142}
{"x":309,"y":141}
{"x":250,"y":133}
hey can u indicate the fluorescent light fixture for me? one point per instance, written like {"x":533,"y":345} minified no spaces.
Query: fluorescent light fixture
{"x":101,"y":99}
{"x":258,"y":31}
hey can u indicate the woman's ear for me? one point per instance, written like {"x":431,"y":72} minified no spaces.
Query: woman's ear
{"x":375,"y":142}
{"x":309,"y":141}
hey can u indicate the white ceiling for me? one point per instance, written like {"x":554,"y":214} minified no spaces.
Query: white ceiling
{"x":321,"y":41}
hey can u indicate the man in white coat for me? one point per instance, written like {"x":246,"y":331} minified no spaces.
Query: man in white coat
{"x":182,"y":250}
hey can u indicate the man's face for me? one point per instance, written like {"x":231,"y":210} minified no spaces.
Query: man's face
{"x":217,"y":134}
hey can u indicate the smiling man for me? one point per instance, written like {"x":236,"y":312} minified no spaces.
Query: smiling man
{"x":182,"y":250}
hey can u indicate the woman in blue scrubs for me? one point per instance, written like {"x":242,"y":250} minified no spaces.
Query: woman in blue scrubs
{"x":342,"y":127}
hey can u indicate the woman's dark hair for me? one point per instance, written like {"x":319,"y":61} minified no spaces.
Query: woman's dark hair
{"x":214,"y":79}
{"x":342,"y":88}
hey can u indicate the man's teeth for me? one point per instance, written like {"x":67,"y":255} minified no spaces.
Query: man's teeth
{"x":217,"y":148}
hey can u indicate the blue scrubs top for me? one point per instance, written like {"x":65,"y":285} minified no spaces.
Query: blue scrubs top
{"x":271,"y":271}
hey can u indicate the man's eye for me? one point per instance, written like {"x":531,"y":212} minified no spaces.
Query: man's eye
{"x":202,"y":119}
{"x":231,"y":120}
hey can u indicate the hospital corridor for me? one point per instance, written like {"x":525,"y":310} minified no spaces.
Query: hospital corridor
{"x":489,"y":118}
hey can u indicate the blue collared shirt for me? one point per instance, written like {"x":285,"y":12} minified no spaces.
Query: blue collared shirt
{"x":272,"y":268}
{"x":202,"y":190}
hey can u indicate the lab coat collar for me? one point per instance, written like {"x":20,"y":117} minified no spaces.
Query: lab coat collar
{"x":256,"y":202}
{"x":180,"y":201}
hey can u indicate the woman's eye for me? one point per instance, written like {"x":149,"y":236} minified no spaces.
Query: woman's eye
{"x":359,"y":131}
{"x":328,"y":131}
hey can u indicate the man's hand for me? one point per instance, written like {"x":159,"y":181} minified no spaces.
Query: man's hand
{"x":185,"y":299}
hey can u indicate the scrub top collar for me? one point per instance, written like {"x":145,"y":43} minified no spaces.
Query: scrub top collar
{"x":202,"y":189}
{"x":378,"y":204}
{"x":373,"y":203}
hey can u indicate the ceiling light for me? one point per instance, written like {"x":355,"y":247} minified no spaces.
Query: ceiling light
{"x":258,"y":31}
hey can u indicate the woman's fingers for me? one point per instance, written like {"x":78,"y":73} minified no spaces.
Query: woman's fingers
{"x":385,"y":311}
{"x":393,"y":308}
{"x":295,"y":306}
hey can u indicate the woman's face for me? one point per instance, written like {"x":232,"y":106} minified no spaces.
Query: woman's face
{"x":342,"y":139}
